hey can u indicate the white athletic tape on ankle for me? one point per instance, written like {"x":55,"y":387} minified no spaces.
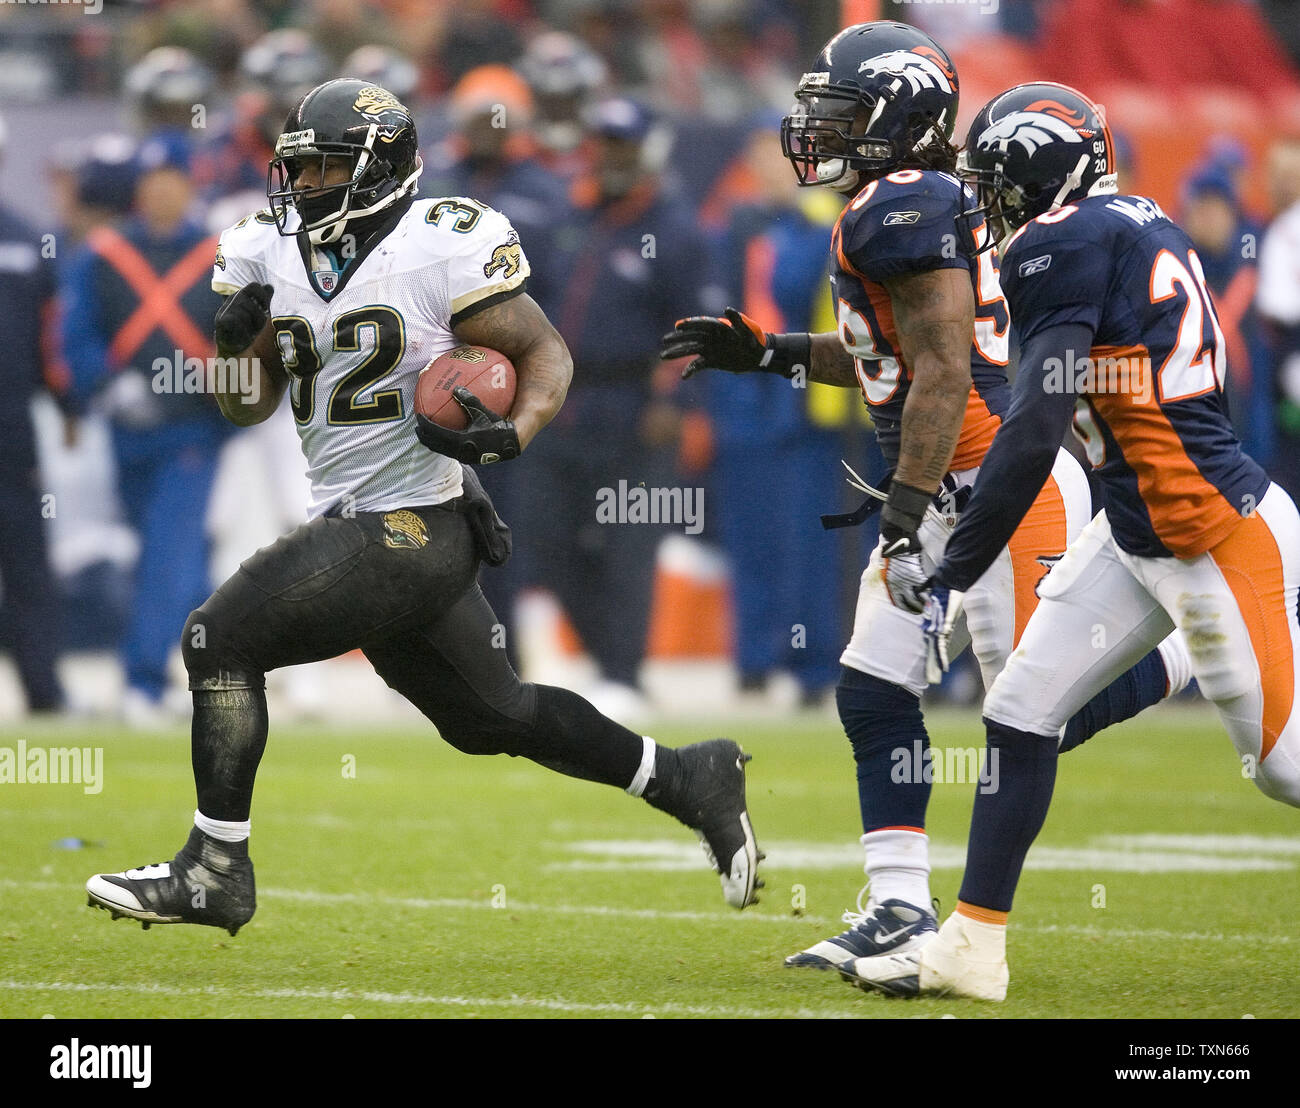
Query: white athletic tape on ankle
{"x":225,"y":831}
{"x":647,"y":768}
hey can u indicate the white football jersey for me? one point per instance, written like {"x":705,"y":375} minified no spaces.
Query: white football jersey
{"x":355,"y":339}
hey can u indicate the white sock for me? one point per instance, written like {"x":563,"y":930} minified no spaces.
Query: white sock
{"x":226,"y":831}
{"x":898,"y":864}
{"x":646,"y":770}
{"x":1178,"y":662}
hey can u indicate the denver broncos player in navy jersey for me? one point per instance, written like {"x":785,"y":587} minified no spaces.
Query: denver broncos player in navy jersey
{"x":923,"y":331}
{"x":1117,"y":327}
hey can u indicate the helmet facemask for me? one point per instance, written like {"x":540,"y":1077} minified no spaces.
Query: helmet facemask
{"x":1005,"y":206}
{"x":325,"y":210}
{"x":828,"y":139}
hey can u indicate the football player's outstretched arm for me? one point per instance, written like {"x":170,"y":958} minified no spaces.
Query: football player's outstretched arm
{"x":519,"y":329}
{"x":735,"y":343}
{"x":935,"y":316}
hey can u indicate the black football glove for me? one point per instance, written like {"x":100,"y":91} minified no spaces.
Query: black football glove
{"x":488,"y":438}
{"x":241,"y":317}
{"x":736,"y":344}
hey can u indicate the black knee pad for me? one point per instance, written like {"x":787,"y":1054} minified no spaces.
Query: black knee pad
{"x":212,"y":658}
{"x":877,"y":714}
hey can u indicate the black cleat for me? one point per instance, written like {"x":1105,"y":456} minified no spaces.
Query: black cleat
{"x":208,"y":882}
{"x":710,"y":799}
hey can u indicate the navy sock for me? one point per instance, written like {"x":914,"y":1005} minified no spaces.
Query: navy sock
{"x":1134,"y":689}
{"x":890,"y":744}
{"x":1008,"y":815}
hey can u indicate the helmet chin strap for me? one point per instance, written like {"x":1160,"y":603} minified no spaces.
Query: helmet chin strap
{"x":1072,"y":182}
{"x":332,"y":230}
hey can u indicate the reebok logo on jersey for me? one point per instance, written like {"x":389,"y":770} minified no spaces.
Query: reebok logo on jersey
{"x":894,"y":218}
{"x":1035,"y":265}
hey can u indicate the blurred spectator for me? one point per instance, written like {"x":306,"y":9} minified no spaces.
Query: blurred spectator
{"x":276,"y":72}
{"x":771,"y":455}
{"x":385,"y":67}
{"x":1225,"y":242}
{"x":476,"y":34}
{"x":165,"y":87}
{"x":30,"y":614}
{"x":631,"y":263}
{"x":137,"y":305}
{"x":488,"y":157}
{"x":1279,"y":305}
{"x":563,"y":75}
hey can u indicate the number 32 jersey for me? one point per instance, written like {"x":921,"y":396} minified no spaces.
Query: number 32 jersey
{"x":1150,"y":407}
{"x":905,"y":223}
{"x":354,"y":337}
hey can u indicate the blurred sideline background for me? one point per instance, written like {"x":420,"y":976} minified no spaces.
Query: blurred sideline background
{"x":634,"y":146}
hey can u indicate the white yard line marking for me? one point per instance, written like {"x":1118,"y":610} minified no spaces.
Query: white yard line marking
{"x":314,"y":896}
{"x":548,"y":1004}
{"x":1112,"y":853}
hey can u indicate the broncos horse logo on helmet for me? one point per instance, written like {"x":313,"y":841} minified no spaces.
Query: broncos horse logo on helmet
{"x":351,"y":119}
{"x":880,"y":96}
{"x":1035,"y":148}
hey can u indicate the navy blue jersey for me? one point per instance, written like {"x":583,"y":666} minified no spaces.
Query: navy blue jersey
{"x":911,"y":222}
{"x":1150,"y":406}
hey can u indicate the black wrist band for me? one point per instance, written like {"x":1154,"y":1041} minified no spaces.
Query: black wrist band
{"x":904,"y":510}
{"x":791,"y":354}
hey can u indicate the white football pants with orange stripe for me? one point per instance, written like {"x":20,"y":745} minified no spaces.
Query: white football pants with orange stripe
{"x":889,"y":643}
{"x":1100,"y":610}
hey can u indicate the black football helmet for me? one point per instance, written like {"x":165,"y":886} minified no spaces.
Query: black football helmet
{"x":352,"y":119}
{"x":1034,"y":148}
{"x":880,"y":96}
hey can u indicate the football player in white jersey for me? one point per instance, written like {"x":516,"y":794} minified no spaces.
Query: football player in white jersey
{"x":343,"y":291}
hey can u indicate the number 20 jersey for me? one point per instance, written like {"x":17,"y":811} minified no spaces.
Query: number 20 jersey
{"x":1150,"y":408}
{"x":906,"y":223}
{"x":355,"y":338}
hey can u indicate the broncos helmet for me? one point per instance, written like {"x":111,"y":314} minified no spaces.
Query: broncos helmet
{"x":347,"y":118}
{"x":880,"y":96}
{"x":1034,"y":148}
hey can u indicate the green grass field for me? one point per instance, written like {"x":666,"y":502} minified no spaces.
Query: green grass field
{"x":434,"y":884}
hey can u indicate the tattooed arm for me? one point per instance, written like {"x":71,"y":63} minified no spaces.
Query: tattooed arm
{"x":935,"y":316}
{"x":519,"y":329}
{"x":831,"y":363}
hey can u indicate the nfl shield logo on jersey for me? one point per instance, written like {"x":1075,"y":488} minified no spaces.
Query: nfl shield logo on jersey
{"x":326,"y":279}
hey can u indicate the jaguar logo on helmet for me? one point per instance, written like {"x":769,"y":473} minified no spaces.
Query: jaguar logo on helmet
{"x":374,"y":101}
{"x":921,"y":68}
{"x":1033,"y":129}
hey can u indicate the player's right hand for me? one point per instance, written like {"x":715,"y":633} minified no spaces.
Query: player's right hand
{"x":241,"y":317}
{"x":734,"y":343}
{"x":904,"y":574}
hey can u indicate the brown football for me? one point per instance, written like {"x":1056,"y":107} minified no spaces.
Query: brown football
{"x":488,"y":374}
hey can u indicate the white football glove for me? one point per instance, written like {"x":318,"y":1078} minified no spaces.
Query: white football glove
{"x":904,"y":574}
{"x":940,"y":614}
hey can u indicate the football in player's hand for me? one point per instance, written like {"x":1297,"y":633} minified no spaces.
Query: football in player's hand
{"x":488,"y":374}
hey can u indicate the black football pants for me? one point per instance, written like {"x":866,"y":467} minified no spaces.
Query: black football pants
{"x":401,"y":587}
